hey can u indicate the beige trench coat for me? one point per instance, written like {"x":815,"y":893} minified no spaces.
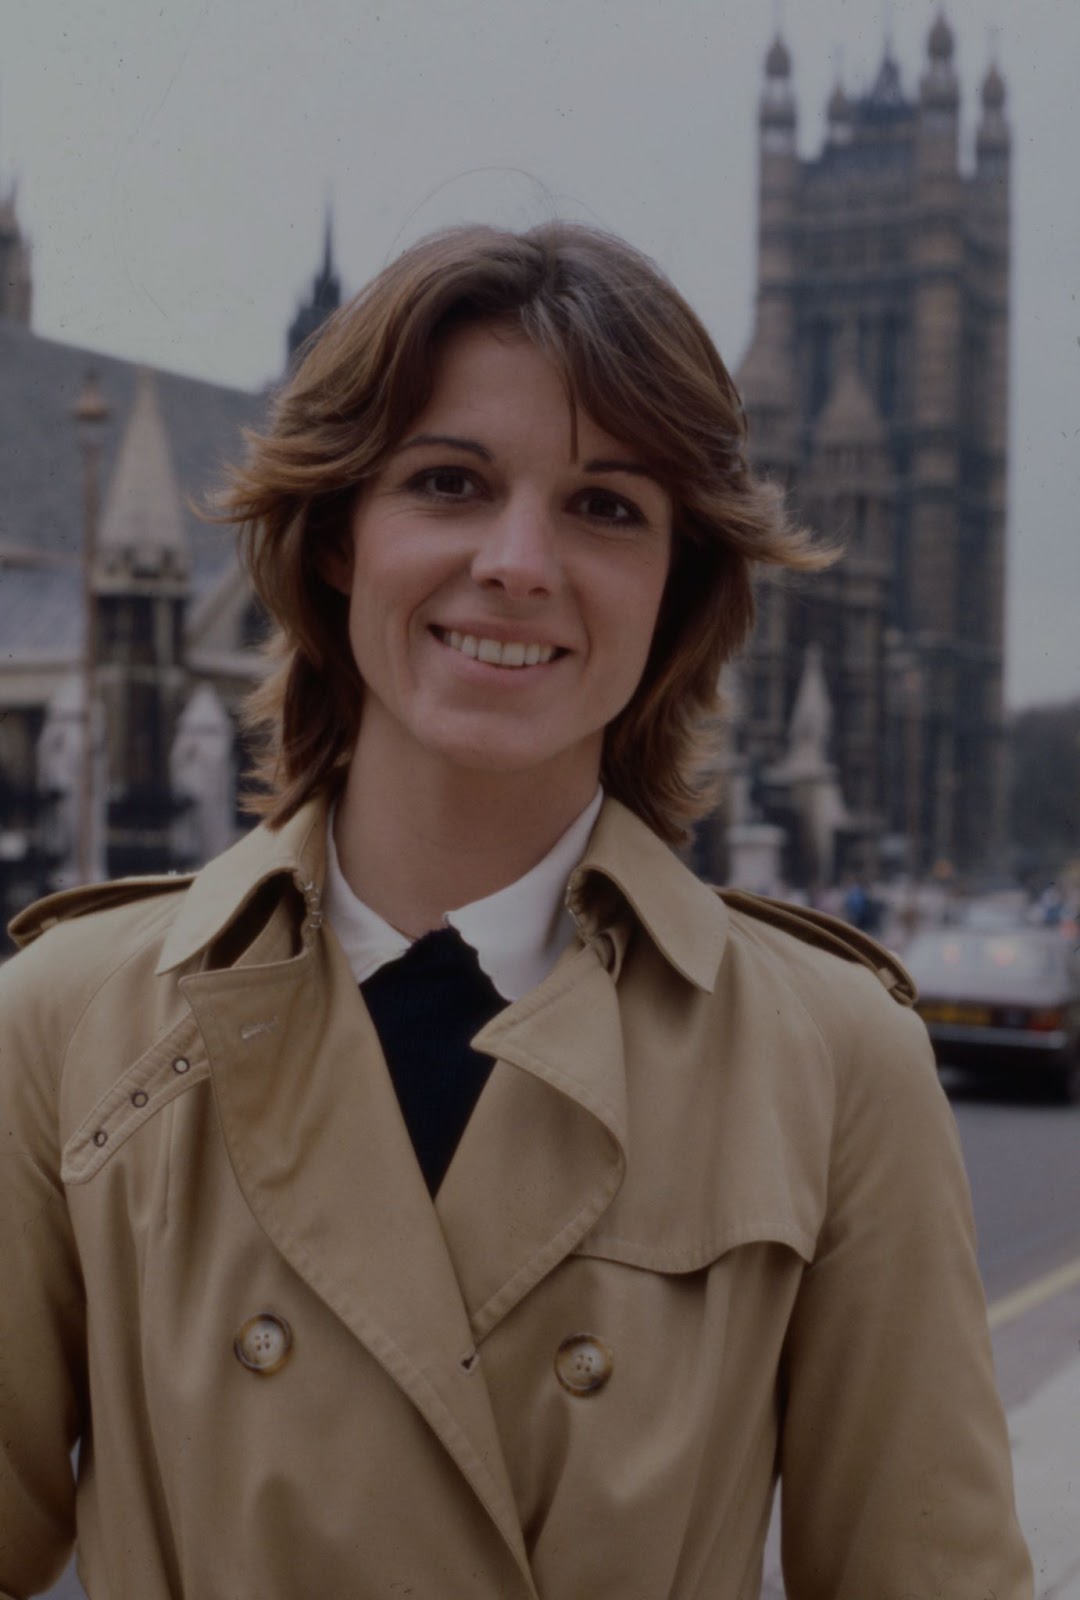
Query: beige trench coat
{"x":709,"y":1143}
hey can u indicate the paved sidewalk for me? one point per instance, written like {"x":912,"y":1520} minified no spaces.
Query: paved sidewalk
{"x":1044,"y":1430}
{"x":1045,"y":1434}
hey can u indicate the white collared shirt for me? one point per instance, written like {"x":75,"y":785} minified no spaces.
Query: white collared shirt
{"x":518,"y":932}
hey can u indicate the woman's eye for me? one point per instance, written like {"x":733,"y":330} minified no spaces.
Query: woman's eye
{"x":603,"y":506}
{"x":445,"y":483}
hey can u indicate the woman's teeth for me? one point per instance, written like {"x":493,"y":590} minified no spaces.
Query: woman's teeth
{"x":499,"y":655}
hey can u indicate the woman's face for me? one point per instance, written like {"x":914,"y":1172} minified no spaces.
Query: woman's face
{"x":504,"y":587}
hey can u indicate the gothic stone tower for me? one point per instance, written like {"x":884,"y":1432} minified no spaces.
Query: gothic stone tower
{"x":141,"y":585}
{"x":876,"y":388}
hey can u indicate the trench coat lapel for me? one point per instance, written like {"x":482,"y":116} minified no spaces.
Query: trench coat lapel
{"x":545,"y":1150}
{"x":321,"y":1152}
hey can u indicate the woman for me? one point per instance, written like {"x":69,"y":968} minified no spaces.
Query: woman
{"x":445,"y":1193}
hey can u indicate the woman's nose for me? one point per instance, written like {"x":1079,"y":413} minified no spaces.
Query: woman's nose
{"x":517,"y":552}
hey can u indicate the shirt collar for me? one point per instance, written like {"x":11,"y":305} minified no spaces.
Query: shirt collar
{"x":686,"y":920}
{"x":518,"y":933}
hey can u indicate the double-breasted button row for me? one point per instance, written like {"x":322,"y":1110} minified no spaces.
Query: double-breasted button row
{"x":583,"y":1363}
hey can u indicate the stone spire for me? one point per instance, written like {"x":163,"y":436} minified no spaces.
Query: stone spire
{"x":807,"y":753}
{"x":201,"y":774}
{"x":992,"y":135}
{"x":848,"y":489}
{"x":940,"y":43}
{"x":839,"y":114}
{"x":849,"y":416}
{"x":887,"y":93}
{"x":142,"y":535}
{"x":16,"y":284}
{"x":325,"y":296}
{"x":776,"y":114}
{"x":940,"y":89}
{"x":808,"y":776}
{"x":766,"y":376}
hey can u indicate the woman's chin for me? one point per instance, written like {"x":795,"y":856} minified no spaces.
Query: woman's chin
{"x":494,"y":753}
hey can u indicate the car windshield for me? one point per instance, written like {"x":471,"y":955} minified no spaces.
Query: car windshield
{"x":984,"y":955}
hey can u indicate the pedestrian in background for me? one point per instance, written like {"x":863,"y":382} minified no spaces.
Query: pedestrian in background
{"x":446,"y":1193}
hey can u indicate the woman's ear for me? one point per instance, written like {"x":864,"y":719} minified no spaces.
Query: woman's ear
{"x":334,"y":561}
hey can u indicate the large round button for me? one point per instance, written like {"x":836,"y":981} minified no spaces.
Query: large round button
{"x":583,"y":1363}
{"x":263,"y":1343}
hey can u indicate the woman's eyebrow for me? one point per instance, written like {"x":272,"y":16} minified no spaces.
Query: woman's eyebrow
{"x":452,"y":441}
{"x":449,"y":440}
{"x":614,"y":465}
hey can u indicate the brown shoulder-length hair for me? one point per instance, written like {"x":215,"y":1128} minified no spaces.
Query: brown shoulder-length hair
{"x":637,"y":359}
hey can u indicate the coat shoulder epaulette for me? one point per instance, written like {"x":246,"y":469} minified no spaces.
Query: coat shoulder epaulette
{"x":827,"y":933}
{"x":66,"y":904}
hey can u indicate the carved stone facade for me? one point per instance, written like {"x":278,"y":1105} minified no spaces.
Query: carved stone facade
{"x":876,"y":388}
{"x":171,"y":647}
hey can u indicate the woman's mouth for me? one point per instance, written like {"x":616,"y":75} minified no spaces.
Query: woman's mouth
{"x":498,"y":653}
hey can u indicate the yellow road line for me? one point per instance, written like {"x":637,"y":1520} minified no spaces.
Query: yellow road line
{"x":1034,"y":1294}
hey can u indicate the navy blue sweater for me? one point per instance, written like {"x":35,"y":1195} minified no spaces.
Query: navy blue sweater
{"x":426,"y":1006}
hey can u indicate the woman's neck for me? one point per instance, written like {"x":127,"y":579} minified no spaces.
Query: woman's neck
{"x":414,"y":845}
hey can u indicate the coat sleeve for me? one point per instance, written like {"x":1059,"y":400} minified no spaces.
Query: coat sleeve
{"x":42,"y":1317}
{"x":896,"y":1478}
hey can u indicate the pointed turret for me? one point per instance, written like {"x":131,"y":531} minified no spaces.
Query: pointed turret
{"x":940,"y":88}
{"x":764,"y":378}
{"x":141,"y":587}
{"x":992,"y":135}
{"x":939,"y":102}
{"x":143,"y":537}
{"x":848,"y":490}
{"x":993,"y":90}
{"x":849,"y":418}
{"x":849,"y":483}
{"x":766,"y":375}
{"x":940,"y":42}
{"x":887,"y":94}
{"x":325,"y":297}
{"x":807,"y":777}
{"x":839,"y":115}
{"x":201,"y":772}
{"x":776,"y":115}
{"x":811,"y":720}
{"x":16,"y":284}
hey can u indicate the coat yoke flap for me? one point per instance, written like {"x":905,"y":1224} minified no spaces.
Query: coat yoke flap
{"x":723,"y":1103}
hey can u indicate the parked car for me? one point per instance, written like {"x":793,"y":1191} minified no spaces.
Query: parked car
{"x":1002,"y":1001}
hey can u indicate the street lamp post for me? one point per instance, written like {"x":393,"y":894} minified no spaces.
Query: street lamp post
{"x":91,"y":412}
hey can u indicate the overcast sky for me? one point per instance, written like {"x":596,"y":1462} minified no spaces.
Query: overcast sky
{"x":175,"y":157}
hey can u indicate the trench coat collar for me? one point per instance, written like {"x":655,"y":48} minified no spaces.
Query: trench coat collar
{"x":219,"y":893}
{"x":686,"y":921}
